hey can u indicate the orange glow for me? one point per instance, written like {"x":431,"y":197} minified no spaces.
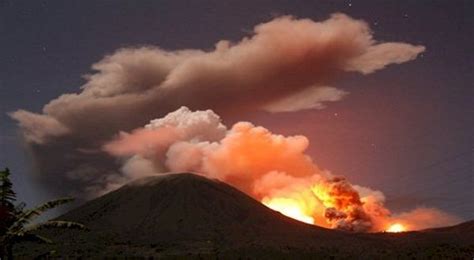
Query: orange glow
{"x":396,"y":228}
{"x":290,"y":208}
{"x":322,"y":193}
{"x":271,"y":168}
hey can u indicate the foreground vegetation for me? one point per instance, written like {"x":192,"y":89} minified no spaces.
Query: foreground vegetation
{"x":17,"y":224}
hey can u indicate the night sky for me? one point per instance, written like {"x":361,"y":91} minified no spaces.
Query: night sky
{"x":405,"y":130}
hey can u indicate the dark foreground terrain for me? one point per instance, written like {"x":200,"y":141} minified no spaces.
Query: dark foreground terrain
{"x":189,"y":216}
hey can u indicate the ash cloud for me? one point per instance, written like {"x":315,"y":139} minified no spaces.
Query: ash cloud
{"x":309,"y":98}
{"x":286,"y":64}
{"x":425,"y":217}
{"x":273,"y":169}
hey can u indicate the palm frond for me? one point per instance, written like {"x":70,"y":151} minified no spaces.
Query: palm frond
{"x":24,"y":234}
{"x":27,"y":216}
{"x":20,"y":207}
{"x":50,"y":205}
{"x":11,"y":238}
{"x":57,"y":224}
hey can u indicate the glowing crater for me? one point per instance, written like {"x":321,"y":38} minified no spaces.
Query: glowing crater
{"x":396,"y":228}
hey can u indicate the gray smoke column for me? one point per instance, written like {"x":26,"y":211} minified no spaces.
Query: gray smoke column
{"x":286,"y":64}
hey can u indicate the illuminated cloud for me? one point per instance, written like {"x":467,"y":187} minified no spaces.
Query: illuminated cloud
{"x":286,"y":64}
{"x":273,"y":169}
{"x":423,"y":218}
{"x":310,"y":98}
{"x":286,"y":60}
{"x":38,"y":128}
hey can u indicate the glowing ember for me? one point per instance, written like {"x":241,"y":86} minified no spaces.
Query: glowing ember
{"x":290,"y":208}
{"x":396,"y":228}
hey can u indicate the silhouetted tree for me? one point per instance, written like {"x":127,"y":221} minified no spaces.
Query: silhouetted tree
{"x":17,"y":223}
{"x":7,"y":200}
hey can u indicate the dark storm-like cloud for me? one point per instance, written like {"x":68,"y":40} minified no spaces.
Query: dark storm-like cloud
{"x":287,"y":64}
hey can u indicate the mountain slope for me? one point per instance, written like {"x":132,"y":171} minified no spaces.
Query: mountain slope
{"x":187,"y":207}
{"x":189,"y":215}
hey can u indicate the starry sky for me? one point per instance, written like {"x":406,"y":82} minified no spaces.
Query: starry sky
{"x":406,"y":130}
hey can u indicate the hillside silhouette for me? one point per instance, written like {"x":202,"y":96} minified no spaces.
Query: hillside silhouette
{"x":189,"y":215}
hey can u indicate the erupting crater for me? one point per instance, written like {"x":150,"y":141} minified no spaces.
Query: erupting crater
{"x":289,"y":208}
{"x":396,"y":228}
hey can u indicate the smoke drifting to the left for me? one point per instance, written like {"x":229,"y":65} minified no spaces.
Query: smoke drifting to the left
{"x":286,"y":64}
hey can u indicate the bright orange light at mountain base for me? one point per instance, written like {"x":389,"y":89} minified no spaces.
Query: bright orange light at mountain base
{"x":396,"y":228}
{"x":290,"y":208}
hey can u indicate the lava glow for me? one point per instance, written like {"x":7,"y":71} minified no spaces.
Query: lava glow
{"x":290,"y":208}
{"x":272,"y":168}
{"x":396,"y":228}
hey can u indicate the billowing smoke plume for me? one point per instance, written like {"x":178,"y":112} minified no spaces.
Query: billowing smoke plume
{"x":286,"y":64}
{"x":272,"y":168}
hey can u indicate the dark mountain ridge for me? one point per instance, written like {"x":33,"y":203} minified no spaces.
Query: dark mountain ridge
{"x":187,"y":214}
{"x":177,"y":207}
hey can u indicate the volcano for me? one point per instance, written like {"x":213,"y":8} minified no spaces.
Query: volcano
{"x":184,"y":208}
{"x":189,"y":215}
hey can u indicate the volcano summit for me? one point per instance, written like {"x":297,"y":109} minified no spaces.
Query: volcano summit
{"x":184,"y":214}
